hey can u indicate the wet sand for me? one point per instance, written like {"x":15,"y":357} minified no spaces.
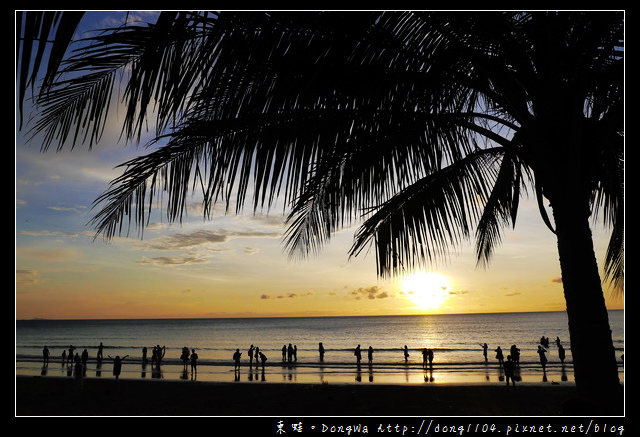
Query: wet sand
{"x":57,"y":396}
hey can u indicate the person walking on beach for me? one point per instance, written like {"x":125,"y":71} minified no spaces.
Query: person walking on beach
{"x":509,"y":367}
{"x":406,"y":353}
{"x":499,"y":355}
{"x":117,"y":365}
{"x":256,"y":354}
{"x":144,"y":355}
{"x":99,"y":356}
{"x":45,"y":355}
{"x":358,"y":354}
{"x":321,"y":351}
{"x":370,"y":355}
{"x":295,"y":352}
{"x":284,"y":353}
{"x":236,"y":359}
{"x":194,"y":362}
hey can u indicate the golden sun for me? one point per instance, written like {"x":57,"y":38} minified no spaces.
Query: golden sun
{"x":427,"y":290}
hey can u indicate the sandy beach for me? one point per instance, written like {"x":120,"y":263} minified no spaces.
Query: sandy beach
{"x":57,"y":396}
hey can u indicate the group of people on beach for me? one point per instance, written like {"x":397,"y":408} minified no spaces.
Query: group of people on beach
{"x":189,"y":358}
{"x":358,"y":354}
{"x":513,"y":358}
{"x":253,"y":352}
{"x":290,"y":355}
{"x":79,"y":361}
{"x":157,"y":354}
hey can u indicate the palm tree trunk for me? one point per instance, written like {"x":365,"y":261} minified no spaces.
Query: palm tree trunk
{"x":594,"y":361}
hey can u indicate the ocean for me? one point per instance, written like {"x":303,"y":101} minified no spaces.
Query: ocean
{"x":455,"y":340}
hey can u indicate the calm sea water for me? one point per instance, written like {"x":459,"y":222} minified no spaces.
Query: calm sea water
{"x":455,"y":340}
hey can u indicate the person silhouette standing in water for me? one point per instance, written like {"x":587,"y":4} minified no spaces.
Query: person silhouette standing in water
{"x":321,"y":351}
{"x":236,"y":359}
{"x":290,"y":352}
{"x":194,"y":362}
{"x":70,"y":356}
{"x":184,"y":356}
{"x":370,"y":355}
{"x":485,"y":348}
{"x":515,"y":354}
{"x":509,"y":370}
{"x":45,"y":356}
{"x":543,"y":358}
{"x":117,"y":365}
{"x":100,"y":347}
{"x":561,"y":353}
{"x":499,"y":355}
{"x":250,"y":353}
{"x":406,"y":353}
{"x":84,"y":357}
{"x":358,"y":354}
{"x":263,"y":360}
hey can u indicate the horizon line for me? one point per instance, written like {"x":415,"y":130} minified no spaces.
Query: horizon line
{"x":295,"y":317}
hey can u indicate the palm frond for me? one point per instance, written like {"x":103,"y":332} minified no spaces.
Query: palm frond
{"x":501,"y":207}
{"x":421,"y":223}
{"x":47,"y":32}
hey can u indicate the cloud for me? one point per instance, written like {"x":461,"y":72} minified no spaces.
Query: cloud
{"x":49,"y":255}
{"x":373,"y":292}
{"x":46,"y":233}
{"x":171,"y":260}
{"x":77,"y":209}
{"x":203,"y":237}
{"x":286,"y":296}
{"x":26,"y":277}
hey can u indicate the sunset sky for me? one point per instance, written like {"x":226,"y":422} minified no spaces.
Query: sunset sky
{"x":235,"y":266}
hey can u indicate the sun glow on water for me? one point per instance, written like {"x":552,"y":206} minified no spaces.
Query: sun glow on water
{"x":426,"y":290}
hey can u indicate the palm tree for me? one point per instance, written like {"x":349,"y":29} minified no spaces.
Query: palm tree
{"x":427,"y":126}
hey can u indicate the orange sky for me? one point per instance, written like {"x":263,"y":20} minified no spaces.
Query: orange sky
{"x":233,"y":266}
